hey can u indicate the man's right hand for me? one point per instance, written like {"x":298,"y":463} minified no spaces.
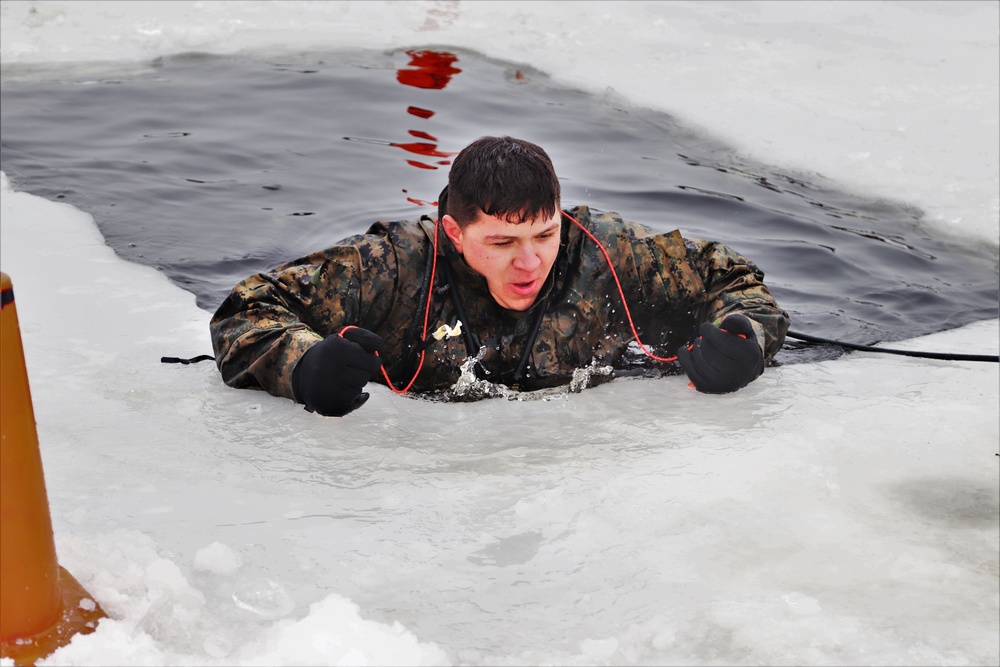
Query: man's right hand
{"x":330,"y":376}
{"x":724,"y":358}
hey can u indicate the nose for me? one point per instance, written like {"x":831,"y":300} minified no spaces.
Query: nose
{"x":527,"y":258}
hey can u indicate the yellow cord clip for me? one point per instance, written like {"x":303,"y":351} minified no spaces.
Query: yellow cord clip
{"x":445,"y":331}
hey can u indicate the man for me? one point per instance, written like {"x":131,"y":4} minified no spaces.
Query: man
{"x":538,"y":293}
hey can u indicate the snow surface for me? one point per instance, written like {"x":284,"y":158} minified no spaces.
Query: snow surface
{"x":842,"y":512}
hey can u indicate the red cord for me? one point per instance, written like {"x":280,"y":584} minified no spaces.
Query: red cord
{"x":423,"y":337}
{"x":427,"y":310}
{"x":621,"y":292}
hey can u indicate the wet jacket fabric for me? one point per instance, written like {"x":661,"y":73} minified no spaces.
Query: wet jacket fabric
{"x":377,"y":281}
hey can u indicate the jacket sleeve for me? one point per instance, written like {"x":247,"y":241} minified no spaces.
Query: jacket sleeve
{"x":734,"y":284}
{"x":270,"y":320}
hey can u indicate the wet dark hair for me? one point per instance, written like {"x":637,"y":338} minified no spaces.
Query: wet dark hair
{"x":505,"y":177}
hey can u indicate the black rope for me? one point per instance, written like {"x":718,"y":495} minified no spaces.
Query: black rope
{"x":806,"y":338}
{"x":522,"y":367}
{"x":947,"y":356}
{"x":192,"y":360}
{"x":472,"y":342}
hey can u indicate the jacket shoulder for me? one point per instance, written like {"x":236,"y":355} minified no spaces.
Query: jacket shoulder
{"x":403,"y":232}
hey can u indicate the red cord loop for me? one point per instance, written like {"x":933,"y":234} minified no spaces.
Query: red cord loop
{"x":423,"y":337}
{"x":427,"y":309}
{"x":427,"y":313}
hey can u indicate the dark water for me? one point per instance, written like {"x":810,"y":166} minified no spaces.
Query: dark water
{"x":212,"y":168}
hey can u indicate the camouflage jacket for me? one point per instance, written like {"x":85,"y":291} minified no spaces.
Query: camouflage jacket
{"x":377,"y":281}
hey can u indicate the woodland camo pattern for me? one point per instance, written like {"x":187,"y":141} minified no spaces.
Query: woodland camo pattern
{"x":375,"y":281}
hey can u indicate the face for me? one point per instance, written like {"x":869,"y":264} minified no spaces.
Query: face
{"x":514,"y":258}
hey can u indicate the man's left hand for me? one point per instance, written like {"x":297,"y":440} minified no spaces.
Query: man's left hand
{"x":724,"y":358}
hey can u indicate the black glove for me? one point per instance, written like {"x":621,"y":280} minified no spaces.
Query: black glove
{"x":331,"y":374}
{"x":723,"y":358}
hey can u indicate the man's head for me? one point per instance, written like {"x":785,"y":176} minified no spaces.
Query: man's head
{"x":501,"y":211}
{"x":508,"y":178}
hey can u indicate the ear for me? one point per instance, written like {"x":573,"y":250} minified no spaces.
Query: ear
{"x":453,"y":231}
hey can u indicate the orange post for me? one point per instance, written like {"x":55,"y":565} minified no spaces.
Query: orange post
{"x":41,"y":605}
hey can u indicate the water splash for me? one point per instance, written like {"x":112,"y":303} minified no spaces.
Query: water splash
{"x":581,"y":376}
{"x":469,"y":387}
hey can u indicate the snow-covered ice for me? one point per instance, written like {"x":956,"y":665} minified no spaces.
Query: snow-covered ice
{"x":840,"y":512}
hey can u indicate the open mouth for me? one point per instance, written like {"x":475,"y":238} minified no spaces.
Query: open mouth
{"x":524,"y":288}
